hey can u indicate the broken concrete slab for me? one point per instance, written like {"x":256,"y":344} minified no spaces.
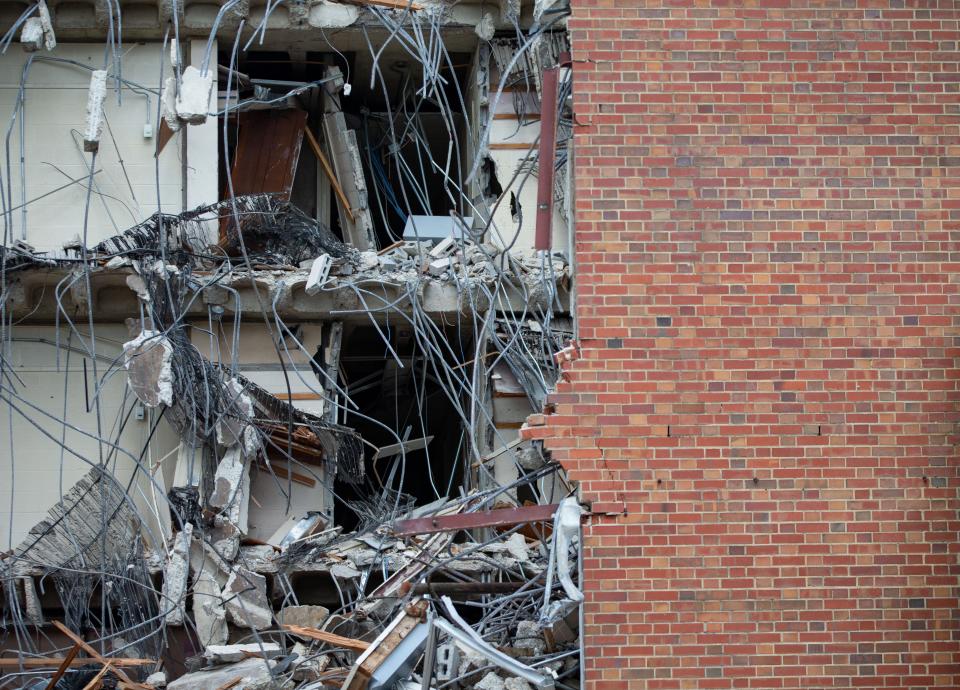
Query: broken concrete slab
{"x":157,"y":680}
{"x":209,"y":614}
{"x":227,"y":654}
{"x":529,"y":638}
{"x":517,"y":547}
{"x":491,"y":681}
{"x":344,"y":571}
{"x":319,"y":272}
{"x":176,"y":574}
{"x":94,"y":123}
{"x":31,"y":36}
{"x":516,"y":684}
{"x":308,"y":665}
{"x":234,"y":427}
{"x":250,"y":674}
{"x":193,"y":96}
{"x":147,"y":359}
{"x":231,"y":488}
{"x":37,"y":31}
{"x":245,"y":599}
{"x":306,"y":616}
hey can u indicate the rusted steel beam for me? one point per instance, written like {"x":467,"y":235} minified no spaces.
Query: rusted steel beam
{"x":503,"y":517}
{"x":548,"y":150}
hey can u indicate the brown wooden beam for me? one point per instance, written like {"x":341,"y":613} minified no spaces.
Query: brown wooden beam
{"x":328,"y":637}
{"x":96,"y":655}
{"x":548,"y":151}
{"x":62,"y":668}
{"x":45,"y":661}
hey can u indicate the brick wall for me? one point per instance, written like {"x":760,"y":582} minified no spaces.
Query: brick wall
{"x":764,"y":411}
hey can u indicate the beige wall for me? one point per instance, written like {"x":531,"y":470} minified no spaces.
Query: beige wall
{"x":55,"y":114}
{"x":33,"y":471}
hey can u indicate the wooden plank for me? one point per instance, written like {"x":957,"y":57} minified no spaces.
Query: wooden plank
{"x":318,"y":152}
{"x":95,"y":654}
{"x":545,"y":170}
{"x":368,"y":663}
{"x":503,"y":517}
{"x":305,"y":395}
{"x":283,"y":473}
{"x":328,"y":637}
{"x":512,"y":146}
{"x":47,"y":661}
{"x":164,"y":135}
{"x":64,"y":665}
{"x":515,"y":117}
{"x":268,"y":148}
{"x":398,"y":243}
{"x":97,"y":680}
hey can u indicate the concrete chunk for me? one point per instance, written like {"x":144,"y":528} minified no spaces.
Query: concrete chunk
{"x":304,"y":616}
{"x":31,"y":36}
{"x":231,"y":489}
{"x":193,"y":97}
{"x":94,"y":123}
{"x":439,"y":267}
{"x":228,"y":654}
{"x":444,"y":248}
{"x":209,"y":614}
{"x":319,"y":272}
{"x":157,"y":680}
{"x":245,"y":597}
{"x":250,"y":674}
{"x":147,"y":359}
{"x":491,"y":681}
{"x":176,"y":574}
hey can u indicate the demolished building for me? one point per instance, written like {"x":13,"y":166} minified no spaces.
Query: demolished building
{"x":483,"y":344}
{"x":281,"y":284}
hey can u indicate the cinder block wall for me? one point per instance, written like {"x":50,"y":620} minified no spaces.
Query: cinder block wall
{"x":764,"y":411}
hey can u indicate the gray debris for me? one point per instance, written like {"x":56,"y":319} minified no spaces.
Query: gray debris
{"x":491,"y":681}
{"x":157,"y":680}
{"x":485,"y":28}
{"x":516,"y":684}
{"x":344,"y":571}
{"x":307,"y":616}
{"x":176,"y":573}
{"x":95,"y":97}
{"x":245,"y":599}
{"x":517,"y":546}
{"x":147,"y":359}
{"x":228,"y":654}
{"x":309,"y":665}
{"x":529,"y":639}
{"x":253,"y":674}
{"x":209,"y":614}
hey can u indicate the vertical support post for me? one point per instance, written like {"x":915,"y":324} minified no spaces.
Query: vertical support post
{"x":201,"y":177}
{"x":548,"y":150}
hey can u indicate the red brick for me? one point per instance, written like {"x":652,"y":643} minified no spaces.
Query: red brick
{"x":765,"y":219}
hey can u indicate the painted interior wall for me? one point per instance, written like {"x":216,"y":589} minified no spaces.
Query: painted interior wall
{"x":54,"y":112}
{"x":277,"y":501}
{"x":34,"y":468}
